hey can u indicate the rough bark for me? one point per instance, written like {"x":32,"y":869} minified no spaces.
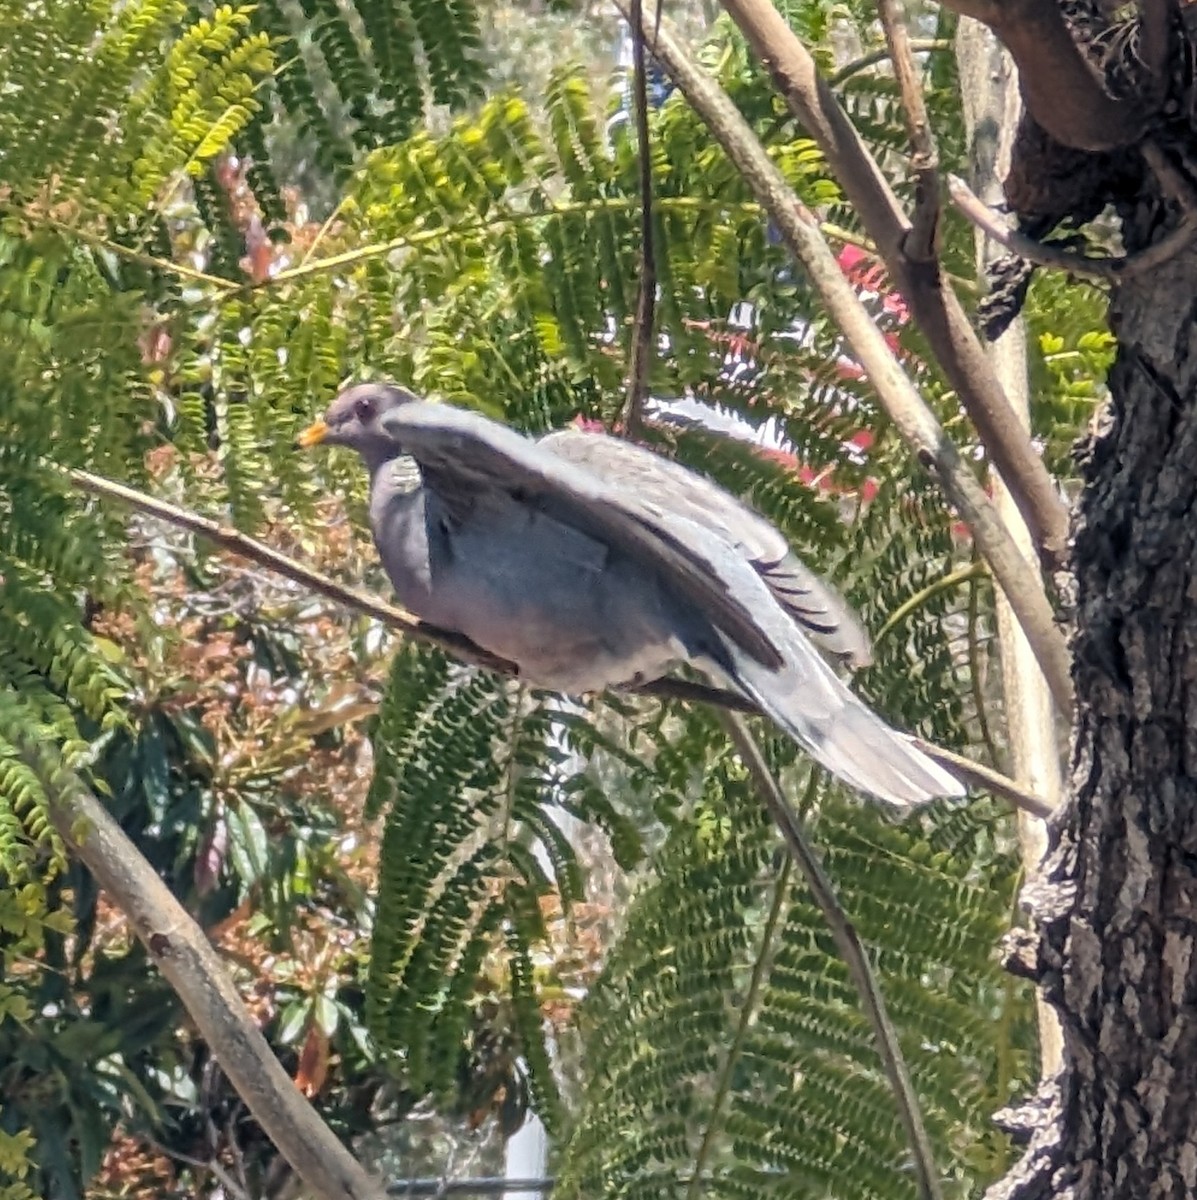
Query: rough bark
{"x":1118,"y":901}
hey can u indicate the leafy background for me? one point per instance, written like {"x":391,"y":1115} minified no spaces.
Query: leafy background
{"x":447,"y":898}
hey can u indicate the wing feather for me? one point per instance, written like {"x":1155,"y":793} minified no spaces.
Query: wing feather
{"x":808,"y":599}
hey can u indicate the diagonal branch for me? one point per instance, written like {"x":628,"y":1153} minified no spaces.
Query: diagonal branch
{"x":986,"y":779}
{"x":1098,"y":269}
{"x":900,"y":399}
{"x":995,"y":227}
{"x":851,"y":950}
{"x":230,"y":539}
{"x":932,"y":302}
{"x":182,"y":952}
{"x":371,"y":606}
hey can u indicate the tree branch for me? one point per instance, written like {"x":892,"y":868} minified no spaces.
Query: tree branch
{"x":994,"y":227}
{"x":646,"y":297}
{"x":851,"y":950}
{"x":901,"y":401}
{"x":926,"y":290}
{"x":1060,"y":86}
{"x":917,"y":45}
{"x":1155,"y":44}
{"x":986,"y":779}
{"x":185,"y":957}
{"x":370,"y":606}
{"x":1098,"y":269}
{"x":921,"y":240}
{"x":246,"y":547}
{"x":211,"y":1165}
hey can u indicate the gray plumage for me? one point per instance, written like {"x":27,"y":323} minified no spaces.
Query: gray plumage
{"x":806,"y":597}
{"x":590,"y":563}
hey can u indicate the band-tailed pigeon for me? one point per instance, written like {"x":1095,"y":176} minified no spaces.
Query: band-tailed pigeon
{"x":589,"y":562}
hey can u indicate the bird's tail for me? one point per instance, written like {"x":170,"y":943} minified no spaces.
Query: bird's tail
{"x":810,"y":702}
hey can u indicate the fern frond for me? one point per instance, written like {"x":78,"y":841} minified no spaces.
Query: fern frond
{"x":738,"y":1060}
{"x":468,"y":776}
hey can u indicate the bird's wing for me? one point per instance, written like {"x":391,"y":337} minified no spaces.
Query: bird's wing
{"x":464,"y":457}
{"x":811,"y":602}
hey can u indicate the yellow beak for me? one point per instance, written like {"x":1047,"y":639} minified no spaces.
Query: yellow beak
{"x":313,"y":435}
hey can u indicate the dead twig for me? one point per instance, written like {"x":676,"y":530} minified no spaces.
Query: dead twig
{"x":211,"y":1165}
{"x":917,"y":46}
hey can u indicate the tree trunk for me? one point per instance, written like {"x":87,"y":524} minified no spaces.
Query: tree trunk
{"x":1117,"y":901}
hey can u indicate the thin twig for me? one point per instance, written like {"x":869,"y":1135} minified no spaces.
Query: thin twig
{"x":917,"y":45}
{"x":232,"y":289}
{"x":993,"y":225}
{"x":646,"y":299}
{"x":490,"y":1185}
{"x":225,"y":1180}
{"x":1172,"y":182}
{"x":945,"y":583}
{"x":329,"y":221}
{"x":974,"y":667}
{"x":396,"y":618}
{"x":924,"y":222}
{"x":851,"y":950}
{"x":230,"y":1137}
{"x":230,"y":539}
{"x":902,"y":402}
{"x":1097,"y":269}
{"x":129,"y":254}
{"x":987,"y":779}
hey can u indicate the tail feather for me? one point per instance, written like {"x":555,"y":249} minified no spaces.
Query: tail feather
{"x":810,"y":702}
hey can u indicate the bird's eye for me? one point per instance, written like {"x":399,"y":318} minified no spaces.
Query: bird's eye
{"x":363,"y":407}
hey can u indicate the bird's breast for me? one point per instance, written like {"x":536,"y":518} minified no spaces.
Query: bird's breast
{"x":570,"y":611}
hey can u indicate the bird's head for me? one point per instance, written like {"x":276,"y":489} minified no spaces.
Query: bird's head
{"x":354,"y":419}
